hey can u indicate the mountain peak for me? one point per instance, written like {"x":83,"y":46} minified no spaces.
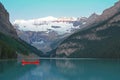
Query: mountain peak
{"x":49,"y":18}
{"x":109,"y":12}
{"x":94,"y":14}
{"x":3,"y":13}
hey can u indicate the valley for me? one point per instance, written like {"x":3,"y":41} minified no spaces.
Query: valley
{"x":95,"y":36}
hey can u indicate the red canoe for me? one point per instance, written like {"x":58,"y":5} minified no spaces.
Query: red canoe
{"x":30,"y":62}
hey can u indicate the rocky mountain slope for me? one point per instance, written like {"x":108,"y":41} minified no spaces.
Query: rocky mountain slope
{"x":5,"y":25}
{"x":10,"y":44}
{"x":99,"y":40}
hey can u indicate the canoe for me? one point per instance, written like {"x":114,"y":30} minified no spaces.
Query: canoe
{"x":30,"y":62}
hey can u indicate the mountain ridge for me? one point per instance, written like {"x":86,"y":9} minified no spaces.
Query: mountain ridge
{"x":48,"y":18}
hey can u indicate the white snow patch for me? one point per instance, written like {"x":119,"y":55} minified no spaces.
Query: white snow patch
{"x":44,"y":24}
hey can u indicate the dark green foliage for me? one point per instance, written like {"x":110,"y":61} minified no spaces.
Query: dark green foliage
{"x":108,"y":47}
{"x":5,"y":49}
{"x":9,"y":46}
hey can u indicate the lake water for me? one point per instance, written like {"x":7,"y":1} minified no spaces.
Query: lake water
{"x":66,"y":69}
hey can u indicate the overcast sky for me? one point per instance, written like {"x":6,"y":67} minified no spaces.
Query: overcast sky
{"x":30,"y":9}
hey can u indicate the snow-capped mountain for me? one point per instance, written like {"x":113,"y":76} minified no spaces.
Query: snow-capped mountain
{"x":61,"y":25}
{"x":46,"y":33}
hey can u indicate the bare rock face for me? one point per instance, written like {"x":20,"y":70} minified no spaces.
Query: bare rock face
{"x":92,"y":18}
{"x":5,"y":25}
{"x":98,"y":41}
{"x":109,"y":12}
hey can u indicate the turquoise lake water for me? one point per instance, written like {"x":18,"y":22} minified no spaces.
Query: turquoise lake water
{"x":66,"y":69}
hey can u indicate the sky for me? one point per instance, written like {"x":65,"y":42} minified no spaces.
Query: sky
{"x":31,"y":9}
